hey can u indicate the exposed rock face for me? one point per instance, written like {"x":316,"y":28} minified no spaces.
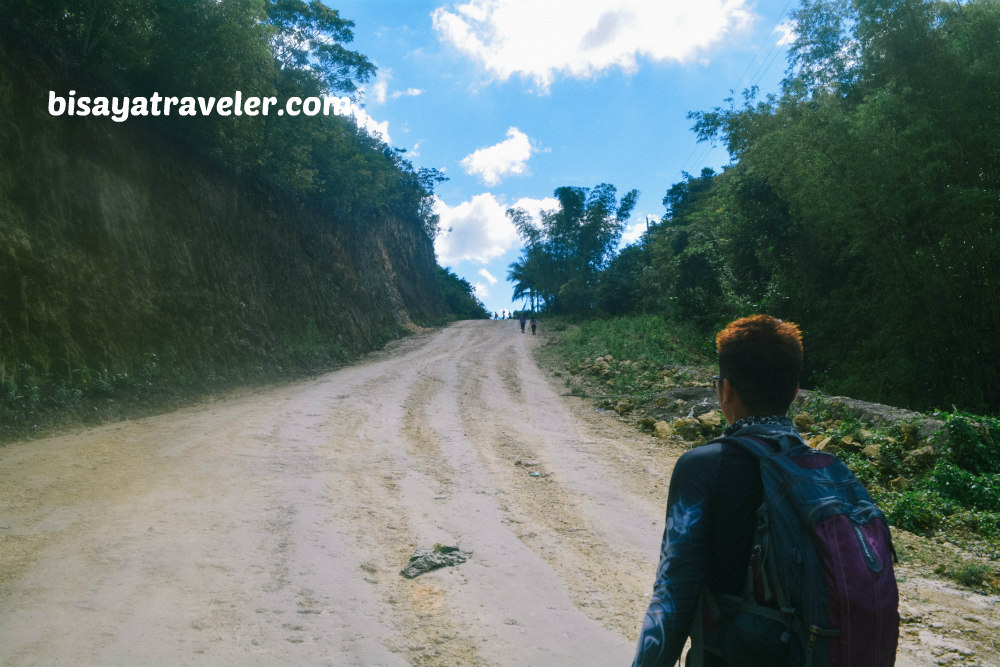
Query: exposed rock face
{"x":803,"y":421}
{"x":848,"y":443}
{"x":827,"y":444}
{"x":425,"y":560}
{"x":624,"y":406}
{"x":874,"y":415}
{"x":687,"y":428}
{"x":872,"y":451}
{"x":663,"y":429}
{"x":923,"y":457}
{"x":118,"y":244}
{"x":690,"y":413}
{"x":711,"y":421}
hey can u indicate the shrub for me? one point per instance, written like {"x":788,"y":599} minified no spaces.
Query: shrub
{"x":866,"y":470}
{"x":973,"y":444}
{"x":981,"y":492}
{"x":918,"y":511}
{"x":648,"y":338}
{"x":971,"y":574}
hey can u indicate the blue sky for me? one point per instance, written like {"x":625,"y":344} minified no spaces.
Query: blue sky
{"x":512,"y":99}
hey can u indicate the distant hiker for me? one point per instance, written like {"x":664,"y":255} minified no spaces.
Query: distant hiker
{"x":495,"y":315}
{"x":522,"y":318}
{"x":755,"y":569}
{"x":533,"y":325}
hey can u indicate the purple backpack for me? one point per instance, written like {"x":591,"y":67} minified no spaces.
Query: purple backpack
{"x":820,"y":585}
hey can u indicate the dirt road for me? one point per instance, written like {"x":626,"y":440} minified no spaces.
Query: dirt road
{"x":271,"y":528}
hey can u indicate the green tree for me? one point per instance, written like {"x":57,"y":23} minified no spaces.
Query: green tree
{"x":684,"y":196}
{"x":213,"y":48}
{"x":620,"y":288}
{"x":310,"y":37}
{"x":460,"y":296}
{"x":568,"y":248}
{"x":879,"y":161}
{"x":862,"y":201}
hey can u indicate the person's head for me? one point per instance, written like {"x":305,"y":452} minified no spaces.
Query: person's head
{"x":761,"y":357}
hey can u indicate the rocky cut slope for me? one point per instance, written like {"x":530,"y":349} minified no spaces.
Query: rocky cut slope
{"x":122,"y":253}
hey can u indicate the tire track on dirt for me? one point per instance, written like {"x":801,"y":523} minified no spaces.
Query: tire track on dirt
{"x":522,"y":617}
{"x":392,"y":441}
{"x":270,"y":527}
{"x":547,"y":509}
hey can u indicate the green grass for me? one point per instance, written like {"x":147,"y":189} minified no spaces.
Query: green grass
{"x":34,"y":403}
{"x":627,"y":356}
{"x":648,"y":339}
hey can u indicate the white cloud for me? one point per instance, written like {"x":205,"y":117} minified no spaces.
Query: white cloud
{"x":409,"y":92}
{"x":373,"y":127}
{"x":378,"y":89}
{"x":492,"y":163}
{"x":479,"y":230}
{"x":489,"y":276}
{"x":536,"y":206}
{"x":634,"y":231}
{"x":581,"y":38}
{"x":481,"y":291}
{"x":787,"y":31}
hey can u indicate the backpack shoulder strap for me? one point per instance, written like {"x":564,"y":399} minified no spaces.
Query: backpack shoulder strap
{"x":766,"y":449}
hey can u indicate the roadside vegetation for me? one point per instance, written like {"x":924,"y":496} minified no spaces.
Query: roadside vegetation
{"x":460,"y":296}
{"x":282,"y":48}
{"x":149,"y":263}
{"x":936,"y":475}
{"x":862,"y":202}
{"x":35,"y":403}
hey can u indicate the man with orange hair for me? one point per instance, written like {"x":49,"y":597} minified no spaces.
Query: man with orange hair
{"x":716,"y":509}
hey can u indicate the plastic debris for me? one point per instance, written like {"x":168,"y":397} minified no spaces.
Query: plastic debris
{"x":425,"y":560}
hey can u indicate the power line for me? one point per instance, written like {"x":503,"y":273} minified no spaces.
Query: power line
{"x":767,"y":37}
{"x":763,"y":67}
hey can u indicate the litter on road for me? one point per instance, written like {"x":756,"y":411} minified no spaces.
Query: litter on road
{"x":425,"y":560}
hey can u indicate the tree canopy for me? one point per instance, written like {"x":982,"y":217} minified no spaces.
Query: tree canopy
{"x":280,"y":48}
{"x":566,"y":250}
{"x":862,"y":201}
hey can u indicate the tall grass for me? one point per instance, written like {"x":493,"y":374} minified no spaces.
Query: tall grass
{"x":649,"y":339}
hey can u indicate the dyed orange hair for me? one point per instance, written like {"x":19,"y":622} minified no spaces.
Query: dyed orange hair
{"x":761,"y":356}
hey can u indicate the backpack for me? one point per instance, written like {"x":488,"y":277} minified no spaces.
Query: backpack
{"x":820,"y":584}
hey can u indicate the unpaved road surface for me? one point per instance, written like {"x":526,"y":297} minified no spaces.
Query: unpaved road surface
{"x":270,"y":528}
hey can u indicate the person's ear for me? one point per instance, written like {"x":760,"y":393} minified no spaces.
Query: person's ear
{"x":728,"y":391}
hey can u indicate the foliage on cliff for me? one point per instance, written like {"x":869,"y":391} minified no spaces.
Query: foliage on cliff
{"x":460,"y":296}
{"x":280,"y":48}
{"x":161,"y":257}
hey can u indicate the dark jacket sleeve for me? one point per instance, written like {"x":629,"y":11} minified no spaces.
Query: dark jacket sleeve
{"x":683,"y":555}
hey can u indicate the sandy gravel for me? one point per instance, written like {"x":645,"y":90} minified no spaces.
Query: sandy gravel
{"x":270,"y":528}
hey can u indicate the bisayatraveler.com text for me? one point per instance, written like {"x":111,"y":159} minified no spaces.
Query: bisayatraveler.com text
{"x":120,"y":109}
